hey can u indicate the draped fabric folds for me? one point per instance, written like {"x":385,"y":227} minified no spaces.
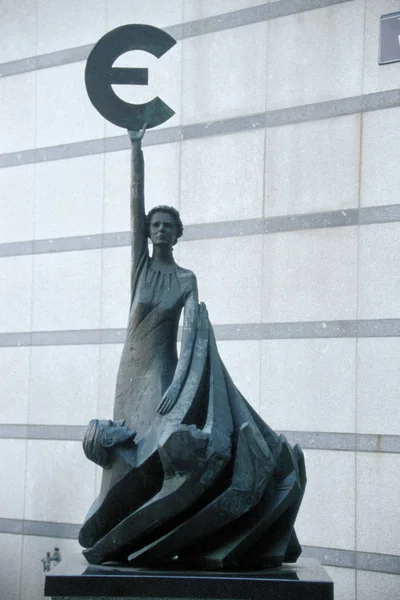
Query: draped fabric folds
{"x":209,"y":484}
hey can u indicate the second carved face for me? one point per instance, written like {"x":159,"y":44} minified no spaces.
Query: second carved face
{"x":115,"y":432}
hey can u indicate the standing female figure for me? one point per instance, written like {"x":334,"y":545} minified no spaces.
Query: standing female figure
{"x":150,"y":377}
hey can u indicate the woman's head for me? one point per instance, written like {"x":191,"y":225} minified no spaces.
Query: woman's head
{"x":93,"y":446}
{"x":100,"y":436}
{"x":164,"y":225}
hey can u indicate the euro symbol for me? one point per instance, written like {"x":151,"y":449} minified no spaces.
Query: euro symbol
{"x":100,"y":75}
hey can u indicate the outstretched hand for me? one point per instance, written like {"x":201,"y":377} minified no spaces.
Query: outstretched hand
{"x":169,"y":399}
{"x":137,"y":136}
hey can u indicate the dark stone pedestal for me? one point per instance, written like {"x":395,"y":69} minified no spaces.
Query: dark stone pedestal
{"x":74,"y":579}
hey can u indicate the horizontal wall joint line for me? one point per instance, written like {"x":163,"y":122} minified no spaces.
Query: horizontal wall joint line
{"x":223,"y":229}
{"x":275,"y":118}
{"x":309,"y":440}
{"x":368,"y":328}
{"x":180,"y":31}
{"x":39,"y":528}
{"x":351,"y":559}
{"x":367,"y":561}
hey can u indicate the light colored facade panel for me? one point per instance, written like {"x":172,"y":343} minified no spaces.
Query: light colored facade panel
{"x":110,"y":355}
{"x":162,"y":168}
{"x":10,"y":566}
{"x":312,"y":167}
{"x":379,"y":281}
{"x":18,"y":21}
{"x":69,"y":197}
{"x":372,"y":585}
{"x":309,"y":384}
{"x":15,"y":293}
{"x":327,"y":513}
{"x":378,"y":384}
{"x":310,"y":275}
{"x":344,"y":582}
{"x":64,"y":384}
{"x":378,"y":492}
{"x":17,"y":203}
{"x":222,"y":178}
{"x":64,"y":112}
{"x":13,"y":462}
{"x":59,"y":482}
{"x":14,"y":384}
{"x":229,"y":280}
{"x":151,"y":12}
{"x":66,"y":290}
{"x":380,"y":183}
{"x":224,"y":74}
{"x":17,"y":112}
{"x":242,"y":359}
{"x":116,"y":191}
{"x":69,"y":23}
{"x":316,"y":56}
{"x":116,"y":282}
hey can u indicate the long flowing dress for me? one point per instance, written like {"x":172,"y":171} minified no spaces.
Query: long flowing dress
{"x":149,"y":357}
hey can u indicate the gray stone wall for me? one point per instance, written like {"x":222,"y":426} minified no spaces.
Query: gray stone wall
{"x":283,"y":160}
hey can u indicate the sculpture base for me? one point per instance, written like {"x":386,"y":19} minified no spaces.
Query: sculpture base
{"x":74,"y":579}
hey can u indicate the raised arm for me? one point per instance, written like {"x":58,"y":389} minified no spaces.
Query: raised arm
{"x":171,"y":395}
{"x":138,"y":224}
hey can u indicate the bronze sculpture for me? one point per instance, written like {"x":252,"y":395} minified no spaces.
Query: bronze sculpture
{"x":191,"y":465}
{"x":192,"y":475}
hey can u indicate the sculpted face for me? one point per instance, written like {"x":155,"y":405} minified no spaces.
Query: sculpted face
{"x":115,"y":432}
{"x":163,"y":230}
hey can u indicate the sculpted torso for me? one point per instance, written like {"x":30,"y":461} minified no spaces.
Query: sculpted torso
{"x":149,"y":359}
